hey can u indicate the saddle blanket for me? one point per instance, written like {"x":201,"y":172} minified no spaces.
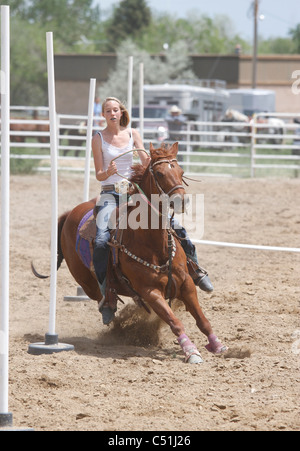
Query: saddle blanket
{"x":85,"y":236}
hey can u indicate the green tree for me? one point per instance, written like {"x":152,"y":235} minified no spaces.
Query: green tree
{"x":70,"y":20}
{"x":201,"y":34}
{"x":129,"y":19}
{"x":174,"y":66}
{"x":28,"y":64}
{"x":73,"y":22}
{"x":295,"y":34}
{"x":276,"y":46}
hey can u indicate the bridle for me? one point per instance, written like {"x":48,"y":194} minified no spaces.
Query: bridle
{"x":160,"y":189}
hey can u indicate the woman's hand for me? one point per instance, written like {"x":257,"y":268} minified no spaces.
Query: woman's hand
{"x":112,"y":169}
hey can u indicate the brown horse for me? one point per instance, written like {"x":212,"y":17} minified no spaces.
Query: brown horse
{"x":21,"y":127}
{"x":152,"y":260}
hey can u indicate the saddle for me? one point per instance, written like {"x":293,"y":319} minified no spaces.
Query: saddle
{"x":116,"y":283}
{"x":85,"y":237}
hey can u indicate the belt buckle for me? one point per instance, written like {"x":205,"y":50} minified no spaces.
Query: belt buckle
{"x":122,"y":187}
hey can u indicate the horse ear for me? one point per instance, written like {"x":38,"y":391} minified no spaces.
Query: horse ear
{"x":174,"y":149}
{"x":152,"y":150}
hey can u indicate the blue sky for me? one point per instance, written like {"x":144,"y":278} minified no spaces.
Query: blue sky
{"x":279,"y":15}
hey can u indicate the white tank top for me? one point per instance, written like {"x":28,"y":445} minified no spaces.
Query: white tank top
{"x":123,"y":164}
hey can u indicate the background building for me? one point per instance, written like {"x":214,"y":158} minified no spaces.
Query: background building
{"x":73,"y":73}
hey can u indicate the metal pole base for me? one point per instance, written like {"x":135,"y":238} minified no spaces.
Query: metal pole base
{"x":6,"y":420}
{"x":50,"y":346}
{"x":81,"y":296}
{"x":6,"y":424}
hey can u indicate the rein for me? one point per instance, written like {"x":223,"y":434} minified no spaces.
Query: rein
{"x":189,"y":178}
{"x":125,"y":153}
{"x":151,"y":169}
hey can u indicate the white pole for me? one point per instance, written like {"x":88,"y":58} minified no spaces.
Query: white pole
{"x":81,"y":296}
{"x":89,"y":140}
{"x":129,"y":91}
{"x":5,"y":198}
{"x":54,"y":189}
{"x":248,"y":246}
{"x":51,"y":344}
{"x":142,"y":100}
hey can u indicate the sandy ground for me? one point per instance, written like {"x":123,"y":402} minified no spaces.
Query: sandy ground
{"x":131,"y":376}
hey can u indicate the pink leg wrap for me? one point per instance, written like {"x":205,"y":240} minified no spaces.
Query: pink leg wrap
{"x":214,"y":345}
{"x":187,"y":346}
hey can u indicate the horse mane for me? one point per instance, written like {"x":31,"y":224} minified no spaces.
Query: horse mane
{"x":138,"y":171}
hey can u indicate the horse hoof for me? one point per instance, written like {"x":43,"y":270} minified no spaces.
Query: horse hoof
{"x":108,"y":315}
{"x":195,"y":359}
{"x":215,"y":346}
{"x":216,"y":349}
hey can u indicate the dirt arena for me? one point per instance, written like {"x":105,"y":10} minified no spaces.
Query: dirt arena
{"x":131,"y":376}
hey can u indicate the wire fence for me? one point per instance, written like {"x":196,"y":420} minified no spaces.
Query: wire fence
{"x":268,"y":145}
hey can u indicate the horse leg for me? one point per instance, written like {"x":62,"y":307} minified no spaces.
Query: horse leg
{"x":162,"y":309}
{"x":189,"y":297}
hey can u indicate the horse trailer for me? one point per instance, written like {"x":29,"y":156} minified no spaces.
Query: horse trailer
{"x":197,"y":103}
{"x":250,"y":101}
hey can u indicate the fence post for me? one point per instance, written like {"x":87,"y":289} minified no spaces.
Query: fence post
{"x":253,"y":142}
{"x":141,"y":101}
{"x":129,"y":88}
{"x":188,"y":147}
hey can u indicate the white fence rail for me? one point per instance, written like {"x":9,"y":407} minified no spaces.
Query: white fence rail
{"x":239,"y":149}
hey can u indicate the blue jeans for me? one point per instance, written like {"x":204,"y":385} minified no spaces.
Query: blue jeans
{"x":186,"y":243}
{"x":109,"y":200}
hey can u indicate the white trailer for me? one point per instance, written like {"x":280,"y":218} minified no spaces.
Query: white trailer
{"x":250,"y":101}
{"x":196,"y":102}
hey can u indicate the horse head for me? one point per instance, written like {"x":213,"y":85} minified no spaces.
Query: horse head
{"x":167,"y":175}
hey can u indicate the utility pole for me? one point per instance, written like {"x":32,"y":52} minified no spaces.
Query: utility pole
{"x":254,"y":66}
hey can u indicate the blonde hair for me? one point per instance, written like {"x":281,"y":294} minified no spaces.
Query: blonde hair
{"x":125,"y":119}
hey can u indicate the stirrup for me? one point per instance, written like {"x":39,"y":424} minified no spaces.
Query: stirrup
{"x":199,"y":276}
{"x":204,"y":283}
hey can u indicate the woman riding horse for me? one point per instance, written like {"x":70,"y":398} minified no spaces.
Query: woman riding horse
{"x":147,"y":263}
{"x":107,"y":145}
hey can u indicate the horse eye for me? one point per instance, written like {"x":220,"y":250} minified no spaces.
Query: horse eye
{"x":159,"y":174}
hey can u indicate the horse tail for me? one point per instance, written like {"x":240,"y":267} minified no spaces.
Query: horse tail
{"x":60,"y":255}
